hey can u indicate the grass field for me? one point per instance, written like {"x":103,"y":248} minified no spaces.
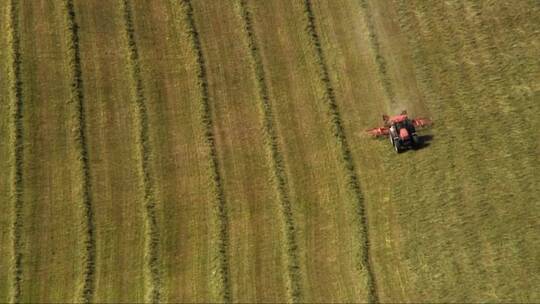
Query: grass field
{"x":213,"y":151}
{"x":6,"y":158}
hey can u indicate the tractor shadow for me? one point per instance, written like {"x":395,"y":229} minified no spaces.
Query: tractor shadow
{"x":424,"y":141}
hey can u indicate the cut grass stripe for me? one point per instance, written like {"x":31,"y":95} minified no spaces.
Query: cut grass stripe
{"x":16,"y":142}
{"x":295,"y":288}
{"x":79,"y":130}
{"x":223,"y":239}
{"x":339,"y":133}
{"x":376,"y":48}
{"x":153,"y":270}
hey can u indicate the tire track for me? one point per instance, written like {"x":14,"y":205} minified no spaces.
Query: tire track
{"x":79,"y":129}
{"x":153,"y":269}
{"x":339,"y":133}
{"x":376,"y":47}
{"x":16,"y":141}
{"x":275,"y":155}
{"x":210,"y":141}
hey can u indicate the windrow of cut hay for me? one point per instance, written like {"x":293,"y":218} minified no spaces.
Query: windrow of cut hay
{"x":6,"y":153}
{"x":206,"y":118}
{"x":280,"y":178}
{"x":79,"y":133}
{"x":339,"y":133}
{"x":16,"y":142}
{"x":375,"y":46}
{"x":153,"y":269}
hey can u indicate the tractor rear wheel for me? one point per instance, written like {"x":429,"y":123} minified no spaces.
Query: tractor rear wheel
{"x":416,"y":141}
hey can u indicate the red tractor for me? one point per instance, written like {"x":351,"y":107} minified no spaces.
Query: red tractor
{"x":401,"y":130}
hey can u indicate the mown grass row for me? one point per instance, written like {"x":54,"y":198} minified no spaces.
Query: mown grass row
{"x":16,"y":142}
{"x":206,"y":116}
{"x":153,"y":269}
{"x":339,"y":133}
{"x":274,"y":155}
{"x":79,"y":131}
{"x":375,"y":46}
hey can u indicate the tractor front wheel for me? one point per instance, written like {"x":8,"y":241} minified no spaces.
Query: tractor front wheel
{"x":397,"y":146}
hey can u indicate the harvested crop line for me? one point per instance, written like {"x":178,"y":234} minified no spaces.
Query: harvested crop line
{"x":153,"y":271}
{"x":379,"y":58}
{"x":16,"y":141}
{"x":339,"y":133}
{"x":275,"y":155}
{"x":77,"y":99}
{"x":210,"y":141}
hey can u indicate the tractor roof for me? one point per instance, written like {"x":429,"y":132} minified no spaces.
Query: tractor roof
{"x":397,"y":118}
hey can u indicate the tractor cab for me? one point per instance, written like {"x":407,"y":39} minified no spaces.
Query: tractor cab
{"x":402,"y":132}
{"x":402,"y":122}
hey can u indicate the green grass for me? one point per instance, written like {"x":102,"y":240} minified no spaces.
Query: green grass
{"x":208,"y":151}
{"x":485,"y":186}
{"x":207,"y":120}
{"x":361,"y":95}
{"x":113,"y":153}
{"x":49,"y":240}
{"x":152,"y":235}
{"x":324,"y":207}
{"x":275,"y":155}
{"x":81,"y":154}
{"x":6,"y":158}
{"x":457,"y":192}
{"x":188,"y":213}
{"x":252,"y":200}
